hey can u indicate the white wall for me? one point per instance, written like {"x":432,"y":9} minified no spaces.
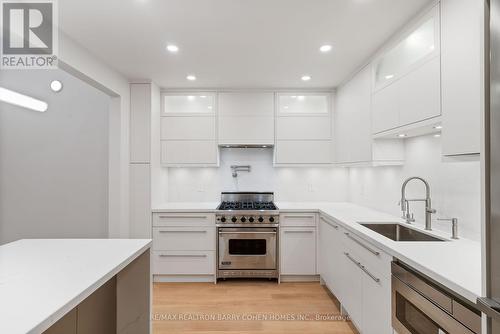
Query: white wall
{"x":53,"y":165}
{"x":289,"y":184}
{"x":75,"y":59}
{"x":455,"y":186}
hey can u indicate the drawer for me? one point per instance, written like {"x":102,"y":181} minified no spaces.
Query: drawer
{"x":183,"y":262}
{"x":298,"y":219}
{"x":184,"y":238}
{"x":370,"y":256}
{"x":183,"y":219}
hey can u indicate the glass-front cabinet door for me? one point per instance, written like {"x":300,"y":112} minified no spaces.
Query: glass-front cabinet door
{"x":303,"y":104}
{"x":419,"y":45}
{"x":188,"y":103}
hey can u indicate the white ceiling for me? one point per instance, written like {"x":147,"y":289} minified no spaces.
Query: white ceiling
{"x":235,"y":43}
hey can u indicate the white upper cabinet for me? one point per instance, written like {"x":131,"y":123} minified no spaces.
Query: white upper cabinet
{"x":407,"y":77}
{"x":303,"y":104}
{"x":188,"y":129}
{"x":462,"y":79}
{"x":303,"y":128}
{"x":419,"y":45}
{"x":246,"y":118}
{"x":188,"y":103}
{"x":353,"y":139}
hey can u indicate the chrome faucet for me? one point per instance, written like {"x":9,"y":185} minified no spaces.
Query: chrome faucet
{"x":405,"y":203}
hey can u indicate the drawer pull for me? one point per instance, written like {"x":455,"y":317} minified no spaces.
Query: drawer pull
{"x":181,"y":217}
{"x":362,"y":244}
{"x":332,"y":225}
{"x":306,"y":231}
{"x":352,"y":259}
{"x":163,"y":231}
{"x":297,"y":216}
{"x":362,"y":267}
{"x":370,"y":274}
{"x":182,"y":255}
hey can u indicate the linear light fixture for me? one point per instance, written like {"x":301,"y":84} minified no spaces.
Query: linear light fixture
{"x":21,"y":100}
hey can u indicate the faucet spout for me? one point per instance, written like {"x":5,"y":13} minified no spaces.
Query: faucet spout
{"x":405,"y":207}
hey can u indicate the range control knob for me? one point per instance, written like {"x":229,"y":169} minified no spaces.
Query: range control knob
{"x":234,"y":219}
{"x":251,"y":219}
{"x":223,"y":219}
{"x":261,"y":219}
{"x":271,"y":219}
{"x":243,"y":219}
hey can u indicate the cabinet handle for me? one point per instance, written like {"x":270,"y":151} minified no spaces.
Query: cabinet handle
{"x":362,"y":267}
{"x":305,"y":231}
{"x":297,"y":216}
{"x":370,"y":274}
{"x":180,"y":217}
{"x":182,"y":255}
{"x":362,"y":244}
{"x":352,"y":259}
{"x":332,"y":225}
{"x":163,"y":231}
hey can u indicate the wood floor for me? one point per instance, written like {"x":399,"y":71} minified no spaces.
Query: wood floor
{"x":246,"y":307}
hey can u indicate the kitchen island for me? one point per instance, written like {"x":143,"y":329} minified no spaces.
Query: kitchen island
{"x":75,"y":286}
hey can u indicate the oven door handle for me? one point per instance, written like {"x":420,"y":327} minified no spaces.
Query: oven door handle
{"x":256,"y":232}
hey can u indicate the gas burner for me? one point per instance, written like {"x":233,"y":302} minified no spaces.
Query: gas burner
{"x":247,"y":209}
{"x":246,"y":205}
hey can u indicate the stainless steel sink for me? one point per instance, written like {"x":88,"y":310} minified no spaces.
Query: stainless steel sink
{"x":398,"y":232}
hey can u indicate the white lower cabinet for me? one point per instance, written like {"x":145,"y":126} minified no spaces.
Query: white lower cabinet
{"x":352,"y":289}
{"x":183,"y":262}
{"x":376,"y":300}
{"x":358,"y":274}
{"x":183,"y":246}
{"x":298,"y":246}
{"x":298,"y":250}
{"x":330,"y":255}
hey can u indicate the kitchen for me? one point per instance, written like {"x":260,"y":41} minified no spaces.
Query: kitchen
{"x":320,"y":167}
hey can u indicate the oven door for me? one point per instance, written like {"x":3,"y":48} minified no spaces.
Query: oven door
{"x":247,"y":248}
{"x":414,"y":314}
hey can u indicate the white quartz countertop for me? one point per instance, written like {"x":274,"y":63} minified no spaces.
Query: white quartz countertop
{"x":186,"y":207}
{"x":43,"y":279}
{"x":454,"y":263}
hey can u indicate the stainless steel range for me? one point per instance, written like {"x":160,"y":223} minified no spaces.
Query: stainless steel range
{"x":247,"y":244}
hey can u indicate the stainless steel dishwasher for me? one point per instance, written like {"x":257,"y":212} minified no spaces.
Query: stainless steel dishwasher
{"x":420,"y":306}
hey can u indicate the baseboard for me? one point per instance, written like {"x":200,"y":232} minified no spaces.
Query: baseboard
{"x":299,"y":278}
{"x":184,"y":278}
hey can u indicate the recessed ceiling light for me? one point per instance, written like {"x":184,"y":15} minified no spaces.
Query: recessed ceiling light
{"x":306,"y":78}
{"x":56,"y":86}
{"x":293,"y":97}
{"x":437,"y":135}
{"x":191,"y":77}
{"x":209,"y":107}
{"x":203,"y":96}
{"x":301,"y":98}
{"x":389,"y":76}
{"x":285,"y":107}
{"x":402,"y":135}
{"x":438,"y":127}
{"x":21,"y":100}
{"x":190,"y":97}
{"x":172,"y":48}
{"x":325,"y":48}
